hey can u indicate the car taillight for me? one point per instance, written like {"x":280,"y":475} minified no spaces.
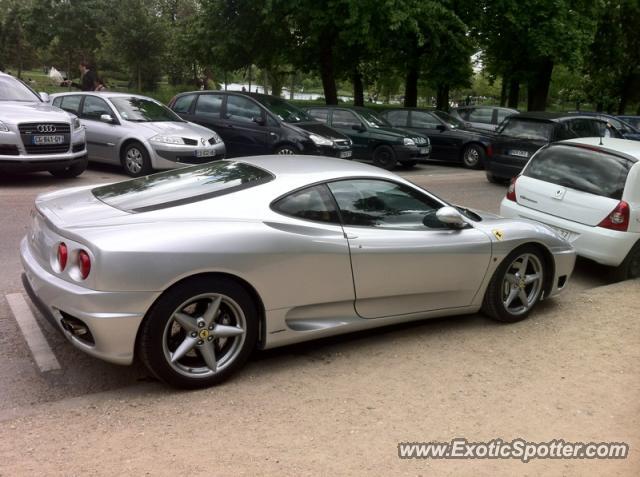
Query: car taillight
{"x":489,"y":150}
{"x":618,"y":219}
{"x":511,"y":191}
{"x":84,"y":264}
{"x":63,"y":255}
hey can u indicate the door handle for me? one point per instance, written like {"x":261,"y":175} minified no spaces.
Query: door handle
{"x":350,"y":236}
{"x":229,"y":125}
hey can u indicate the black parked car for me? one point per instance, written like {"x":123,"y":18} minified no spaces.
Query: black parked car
{"x":254,"y":124}
{"x":521,"y":136}
{"x":623,"y":126}
{"x":482,"y":117}
{"x":632,"y":120}
{"x":373,"y":137}
{"x":450,"y":141}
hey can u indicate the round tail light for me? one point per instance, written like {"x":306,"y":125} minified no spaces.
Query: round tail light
{"x":84,"y":264}
{"x":63,"y":255}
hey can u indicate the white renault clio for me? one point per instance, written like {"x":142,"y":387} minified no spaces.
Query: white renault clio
{"x":588,"y":190}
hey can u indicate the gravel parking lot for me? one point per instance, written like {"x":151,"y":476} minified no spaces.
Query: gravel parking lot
{"x":341,"y":405}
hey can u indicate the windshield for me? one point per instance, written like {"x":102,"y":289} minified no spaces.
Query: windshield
{"x":284,"y":111}
{"x":450,"y":120}
{"x":12,"y":89}
{"x":524,"y":129}
{"x":181,"y":186}
{"x":372,"y":119}
{"x":143,"y":110}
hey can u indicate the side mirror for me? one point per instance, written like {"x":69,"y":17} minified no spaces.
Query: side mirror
{"x":44,"y":96}
{"x":450,"y":216}
{"x":358,"y":127}
{"x":106,"y":118}
{"x":258,"y":120}
{"x":441,"y":127}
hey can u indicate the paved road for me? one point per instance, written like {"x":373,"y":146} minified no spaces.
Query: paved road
{"x":21,"y":383}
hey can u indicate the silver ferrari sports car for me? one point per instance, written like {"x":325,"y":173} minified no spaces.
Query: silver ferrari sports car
{"x":191,"y":269}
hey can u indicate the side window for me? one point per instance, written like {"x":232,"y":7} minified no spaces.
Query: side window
{"x":503,"y":114}
{"x":344,"y":119}
{"x":464,"y":113}
{"x":481,"y":115}
{"x":313,"y":203}
{"x":606,"y":129}
{"x":398,"y":118}
{"x":57,"y":102}
{"x":94,"y":107}
{"x":71,"y":104}
{"x":242,"y":109}
{"x":209,"y":105}
{"x":583,"y":127}
{"x":183,"y":104}
{"x":420,"y":119}
{"x":385,"y":205}
{"x":321,"y":115}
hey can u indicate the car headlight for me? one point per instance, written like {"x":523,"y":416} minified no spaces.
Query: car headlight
{"x":216,"y":137}
{"x":3,"y":127}
{"x":320,"y":141}
{"x":76,"y":124}
{"x":167,"y":139}
{"x":407,"y":141}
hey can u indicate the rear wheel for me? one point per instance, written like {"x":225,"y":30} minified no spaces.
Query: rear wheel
{"x":135,"y":160}
{"x":385,"y":157}
{"x":72,"y":171}
{"x":199,"y":333}
{"x":630,"y":266}
{"x":473,"y":156}
{"x":516,"y":286}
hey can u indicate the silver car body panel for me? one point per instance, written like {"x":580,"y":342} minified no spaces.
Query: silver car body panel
{"x":300,"y":270}
{"x":105,"y":141}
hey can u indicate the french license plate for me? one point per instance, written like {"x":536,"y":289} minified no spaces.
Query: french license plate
{"x":205,"y":153}
{"x":46,"y":140}
{"x":424,"y":150}
{"x":345,"y":154}
{"x":519,"y":153}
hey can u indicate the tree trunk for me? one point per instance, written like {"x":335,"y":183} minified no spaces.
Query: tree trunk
{"x":442,"y":97}
{"x":225,"y":80}
{"x":514,"y":93}
{"x":625,"y":94}
{"x":327,"y":71}
{"x":358,"y":88}
{"x":538,"y":86}
{"x":411,"y":87}
{"x":250,"y":72}
{"x":293,"y":85}
{"x":139,"y":78}
{"x":504,"y":90}
{"x":276,"y":79}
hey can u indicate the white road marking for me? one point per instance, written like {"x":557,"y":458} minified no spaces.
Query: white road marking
{"x":40,"y":349}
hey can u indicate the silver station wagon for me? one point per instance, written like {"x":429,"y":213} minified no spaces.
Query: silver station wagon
{"x":139,"y":133}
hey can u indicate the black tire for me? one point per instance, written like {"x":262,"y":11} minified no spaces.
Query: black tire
{"x":286,"y":150}
{"x":494,"y":299}
{"x":630,"y":266}
{"x":191,"y":371}
{"x":408,"y":164}
{"x":72,"y":171}
{"x":135,"y":160}
{"x":385,"y":157}
{"x":473,"y":156}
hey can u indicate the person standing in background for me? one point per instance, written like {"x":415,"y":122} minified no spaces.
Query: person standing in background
{"x":88,"y":78}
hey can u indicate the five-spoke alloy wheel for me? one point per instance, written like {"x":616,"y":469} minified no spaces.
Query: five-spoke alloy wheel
{"x":516,"y":286}
{"x":198,"y":334}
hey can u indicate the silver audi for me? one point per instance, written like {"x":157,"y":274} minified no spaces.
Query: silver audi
{"x":190,"y":270}
{"x":138,"y":132}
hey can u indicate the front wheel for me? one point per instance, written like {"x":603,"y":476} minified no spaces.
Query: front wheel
{"x":384,"y":157}
{"x":473,"y":156}
{"x":285,"y":150}
{"x":135,"y":160}
{"x":516,"y":286}
{"x":199,"y":333}
{"x":70,"y":172}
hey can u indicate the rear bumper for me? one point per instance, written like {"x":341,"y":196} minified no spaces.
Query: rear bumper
{"x":504,"y":167}
{"x":607,"y":247}
{"x":113,"y":318}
